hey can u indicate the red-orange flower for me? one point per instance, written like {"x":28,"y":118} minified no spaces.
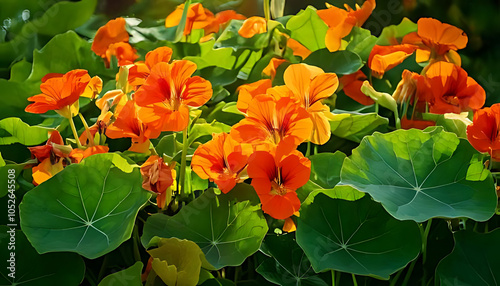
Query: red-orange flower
{"x":198,"y":17}
{"x":270,"y":69}
{"x":168,"y":93}
{"x":223,"y":17}
{"x":483,"y":133}
{"x":253,"y":26}
{"x":124,"y":53}
{"x":222,"y":160}
{"x":351,"y":85}
{"x":77,"y":155}
{"x":157,"y":177}
{"x":309,"y":85}
{"x":60,"y":94}
{"x":384,"y":58}
{"x":272,"y":120}
{"x":451,"y":90}
{"x":276,"y":176}
{"x":127,"y":124}
{"x":139,"y":72}
{"x":247,"y":92}
{"x":340,"y":22}
{"x":112,"y":40}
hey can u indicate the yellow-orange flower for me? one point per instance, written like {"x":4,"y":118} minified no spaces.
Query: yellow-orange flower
{"x":198,"y":17}
{"x":247,"y":92}
{"x":168,"y":93}
{"x":112,"y":40}
{"x":253,"y":26}
{"x":340,"y":22}
{"x":139,"y":72}
{"x":222,"y":160}
{"x":309,"y":85}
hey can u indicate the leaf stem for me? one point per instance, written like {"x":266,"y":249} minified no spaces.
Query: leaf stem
{"x":308,"y":151}
{"x":410,"y":270}
{"x":396,"y":277}
{"x":90,"y":138}
{"x":75,"y":134}
{"x":333,"y":277}
{"x":354,"y":280}
{"x":182,"y":174}
{"x":137,"y":254}
{"x":424,"y":240}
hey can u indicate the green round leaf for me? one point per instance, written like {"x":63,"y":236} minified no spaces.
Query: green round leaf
{"x":358,"y":237}
{"x":32,"y":269}
{"x":88,"y":208}
{"x":288,"y":264}
{"x":127,"y":277}
{"x":339,"y":62}
{"x":308,"y":28}
{"x":474,"y":260}
{"x":228,"y":228}
{"x":356,"y":126}
{"x":419,"y":175}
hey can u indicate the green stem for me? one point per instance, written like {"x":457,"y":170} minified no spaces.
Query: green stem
{"x":137,"y":254}
{"x":354,"y":280}
{"x":75,"y":134}
{"x":410,"y":270}
{"x":376,"y":107}
{"x":315,"y":149}
{"x":308,"y":151}
{"x":267,"y":10}
{"x":395,"y":279}
{"x":396,"y":118}
{"x":424,"y":240}
{"x":182,"y":174}
{"x":87,"y":130}
{"x":103,"y":268}
{"x":333,"y":277}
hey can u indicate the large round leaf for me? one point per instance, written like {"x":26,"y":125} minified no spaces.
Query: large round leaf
{"x":127,"y":277}
{"x":228,"y":230}
{"x":357,"y":237}
{"x":88,"y":208}
{"x":474,"y":260}
{"x":419,"y":175}
{"x":288,"y":265}
{"x":33,"y":269}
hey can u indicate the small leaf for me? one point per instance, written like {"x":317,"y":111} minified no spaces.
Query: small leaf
{"x":182,"y":24}
{"x":356,"y":126}
{"x":228,"y":228}
{"x":204,"y":129}
{"x":477,"y":170}
{"x":87,"y":208}
{"x":394,"y":33}
{"x":32,"y":269}
{"x":14,"y":130}
{"x":339,"y":62}
{"x":356,"y":237}
{"x":308,"y":29}
{"x":127,"y":277}
{"x":419,"y":175}
{"x":361,"y":42}
{"x":474,"y":260}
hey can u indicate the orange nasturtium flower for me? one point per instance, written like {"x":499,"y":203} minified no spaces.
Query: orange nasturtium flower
{"x":310,"y":84}
{"x":340,"y":22}
{"x":270,"y":69}
{"x":198,"y":17}
{"x":247,"y":92}
{"x":157,"y":177}
{"x":433,"y":41}
{"x":168,"y":93}
{"x":77,"y":155}
{"x":483,"y":133}
{"x":272,"y":120}
{"x":276,"y":176}
{"x":222,"y":160}
{"x":139,"y":72}
{"x":61,"y":93}
{"x":253,"y":26}
{"x":127,"y":124}
{"x":107,"y":36}
{"x":351,"y":85}
{"x":452,"y":90}
{"x":124,"y":53}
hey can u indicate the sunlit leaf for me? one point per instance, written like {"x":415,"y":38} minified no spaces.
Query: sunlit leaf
{"x":127,"y":277}
{"x":14,"y":130}
{"x":308,"y":29}
{"x":355,"y":126}
{"x":419,"y":174}
{"x":87,"y":208}
{"x":356,"y":237}
{"x":361,"y":42}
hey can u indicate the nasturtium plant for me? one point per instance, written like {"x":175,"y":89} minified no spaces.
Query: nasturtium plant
{"x":357,"y":237}
{"x":127,"y":277}
{"x":88,"y":208}
{"x":419,"y":175}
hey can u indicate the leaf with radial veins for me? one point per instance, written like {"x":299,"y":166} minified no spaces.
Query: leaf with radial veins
{"x":358,"y":237}
{"x":474,"y":260}
{"x":228,"y":228}
{"x":419,"y":175}
{"x":88,"y":208}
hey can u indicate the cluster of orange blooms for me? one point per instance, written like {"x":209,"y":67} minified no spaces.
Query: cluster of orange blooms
{"x":157,"y":94}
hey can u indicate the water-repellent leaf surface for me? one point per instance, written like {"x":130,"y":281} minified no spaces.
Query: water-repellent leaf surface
{"x":228,"y":228}
{"x":419,"y":175}
{"x":357,"y":237}
{"x":87,"y":208}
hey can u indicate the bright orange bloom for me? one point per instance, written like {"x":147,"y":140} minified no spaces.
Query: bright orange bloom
{"x":290,"y":225}
{"x":247,"y":92}
{"x":416,"y":123}
{"x":60,"y":94}
{"x":384,"y":58}
{"x":140,"y":71}
{"x":451,"y":90}
{"x":276,"y":176}
{"x":168,"y":93}
{"x":253,"y":26}
{"x":46,"y":170}
{"x":113,"y":99}
{"x":272,"y":120}
{"x":483,"y":133}
{"x":224,"y":17}
{"x":50,"y":149}
{"x":351,"y":85}
{"x":77,"y":155}
{"x":309,"y":85}
{"x":113,"y":32}
{"x":297,"y":48}
{"x":340,"y":22}
{"x":434,"y":41}
{"x":124,"y":53}
{"x":198,"y":17}
{"x":222,"y":160}
{"x":127,"y":124}
{"x":157,"y":177}
{"x":270,"y":69}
